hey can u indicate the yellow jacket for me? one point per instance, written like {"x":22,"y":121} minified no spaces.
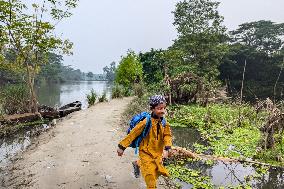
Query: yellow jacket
{"x":152,"y":146}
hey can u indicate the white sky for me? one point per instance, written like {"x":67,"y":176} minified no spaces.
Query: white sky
{"x":103,"y":30}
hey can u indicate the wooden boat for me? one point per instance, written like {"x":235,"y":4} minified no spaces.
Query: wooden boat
{"x":69,"y":108}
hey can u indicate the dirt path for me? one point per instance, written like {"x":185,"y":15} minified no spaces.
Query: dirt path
{"x":80,"y":152}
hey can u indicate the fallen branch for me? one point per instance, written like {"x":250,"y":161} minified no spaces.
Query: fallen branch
{"x":182,"y":153}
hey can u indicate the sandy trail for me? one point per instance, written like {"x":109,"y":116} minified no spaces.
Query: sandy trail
{"x":80,"y":152}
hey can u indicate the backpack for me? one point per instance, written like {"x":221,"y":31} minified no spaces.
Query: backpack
{"x":134,"y":121}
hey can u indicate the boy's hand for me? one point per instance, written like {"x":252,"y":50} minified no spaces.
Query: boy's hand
{"x":120,"y":152}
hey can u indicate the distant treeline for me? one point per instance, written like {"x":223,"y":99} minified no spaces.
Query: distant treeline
{"x":53,"y":71}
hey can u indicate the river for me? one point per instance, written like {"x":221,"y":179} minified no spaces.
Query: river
{"x":55,"y":94}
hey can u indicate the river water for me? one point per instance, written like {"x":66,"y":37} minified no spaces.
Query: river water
{"x":54,"y":94}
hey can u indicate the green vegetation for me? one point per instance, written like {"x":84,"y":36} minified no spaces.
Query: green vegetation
{"x":103,"y":97}
{"x":127,"y":76}
{"x":92,"y":97}
{"x":14,"y":99}
{"x":27,"y":33}
{"x":247,"y":63}
{"x":190,"y":176}
{"x":117,"y":91}
{"x":110,"y":72}
{"x":129,"y":71}
{"x":231,"y":130}
{"x":206,"y":64}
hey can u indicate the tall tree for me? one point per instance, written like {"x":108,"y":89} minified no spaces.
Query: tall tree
{"x":110,"y":72}
{"x":201,"y":36}
{"x":262,"y":35}
{"x":28,"y":30}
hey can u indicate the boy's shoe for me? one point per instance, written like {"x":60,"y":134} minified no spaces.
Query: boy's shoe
{"x":136,"y":169}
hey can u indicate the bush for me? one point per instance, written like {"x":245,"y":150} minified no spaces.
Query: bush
{"x":129,"y":70}
{"x":103,"y":98}
{"x":117,"y":92}
{"x":127,"y":92}
{"x":92,"y":97}
{"x":14,"y":99}
{"x":139,"y":89}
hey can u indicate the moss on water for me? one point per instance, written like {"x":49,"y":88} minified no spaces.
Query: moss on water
{"x":195,"y":178}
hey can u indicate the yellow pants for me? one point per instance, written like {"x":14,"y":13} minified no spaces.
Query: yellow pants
{"x":151,"y":170}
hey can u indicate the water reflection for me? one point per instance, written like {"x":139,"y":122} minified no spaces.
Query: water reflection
{"x":54,"y":94}
{"x":185,"y":137}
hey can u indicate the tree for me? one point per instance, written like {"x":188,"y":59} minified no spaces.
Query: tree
{"x":50,"y":71}
{"x":90,"y":75}
{"x":129,"y":70}
{"x":153,"y":66}
{"x":110,"y":72}
{"x":26,"y":30}
{"x":262,"y":35}
{"x":260,"y":44}
{"x":201,"y":36}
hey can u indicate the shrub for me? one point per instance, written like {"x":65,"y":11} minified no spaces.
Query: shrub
{"x":117,"y":92}
{"x":14,"y":99}
{"x":92,"y":97}
{"x":139,"y":89}
{"x":103,"y":98}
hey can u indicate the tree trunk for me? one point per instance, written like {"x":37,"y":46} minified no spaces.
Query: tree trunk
{"x":30,"y":82}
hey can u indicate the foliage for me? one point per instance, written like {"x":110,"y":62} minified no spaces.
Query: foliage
{"x":129,"y":71}
{"x":51,"y":71}
{"x":117,"y":91}
{"x":261,"y":35}
{"x":153,"y":65}
{"x":90,"y":75}
{"x":139,"y":89}
{"x":201,"y":36}
{"x":70,"y":74}
{"x":189,"y":176}
{"x":92,"y":97}
{"x":110,"y":72}
{"x":260,"y":44}
{"x":26,"y":31}
{"x":14,"y":99}
{"x":230,"y":130}
{"x":103,"y":97}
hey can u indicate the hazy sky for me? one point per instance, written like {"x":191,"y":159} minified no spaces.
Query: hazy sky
{"x":103,"y":30}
